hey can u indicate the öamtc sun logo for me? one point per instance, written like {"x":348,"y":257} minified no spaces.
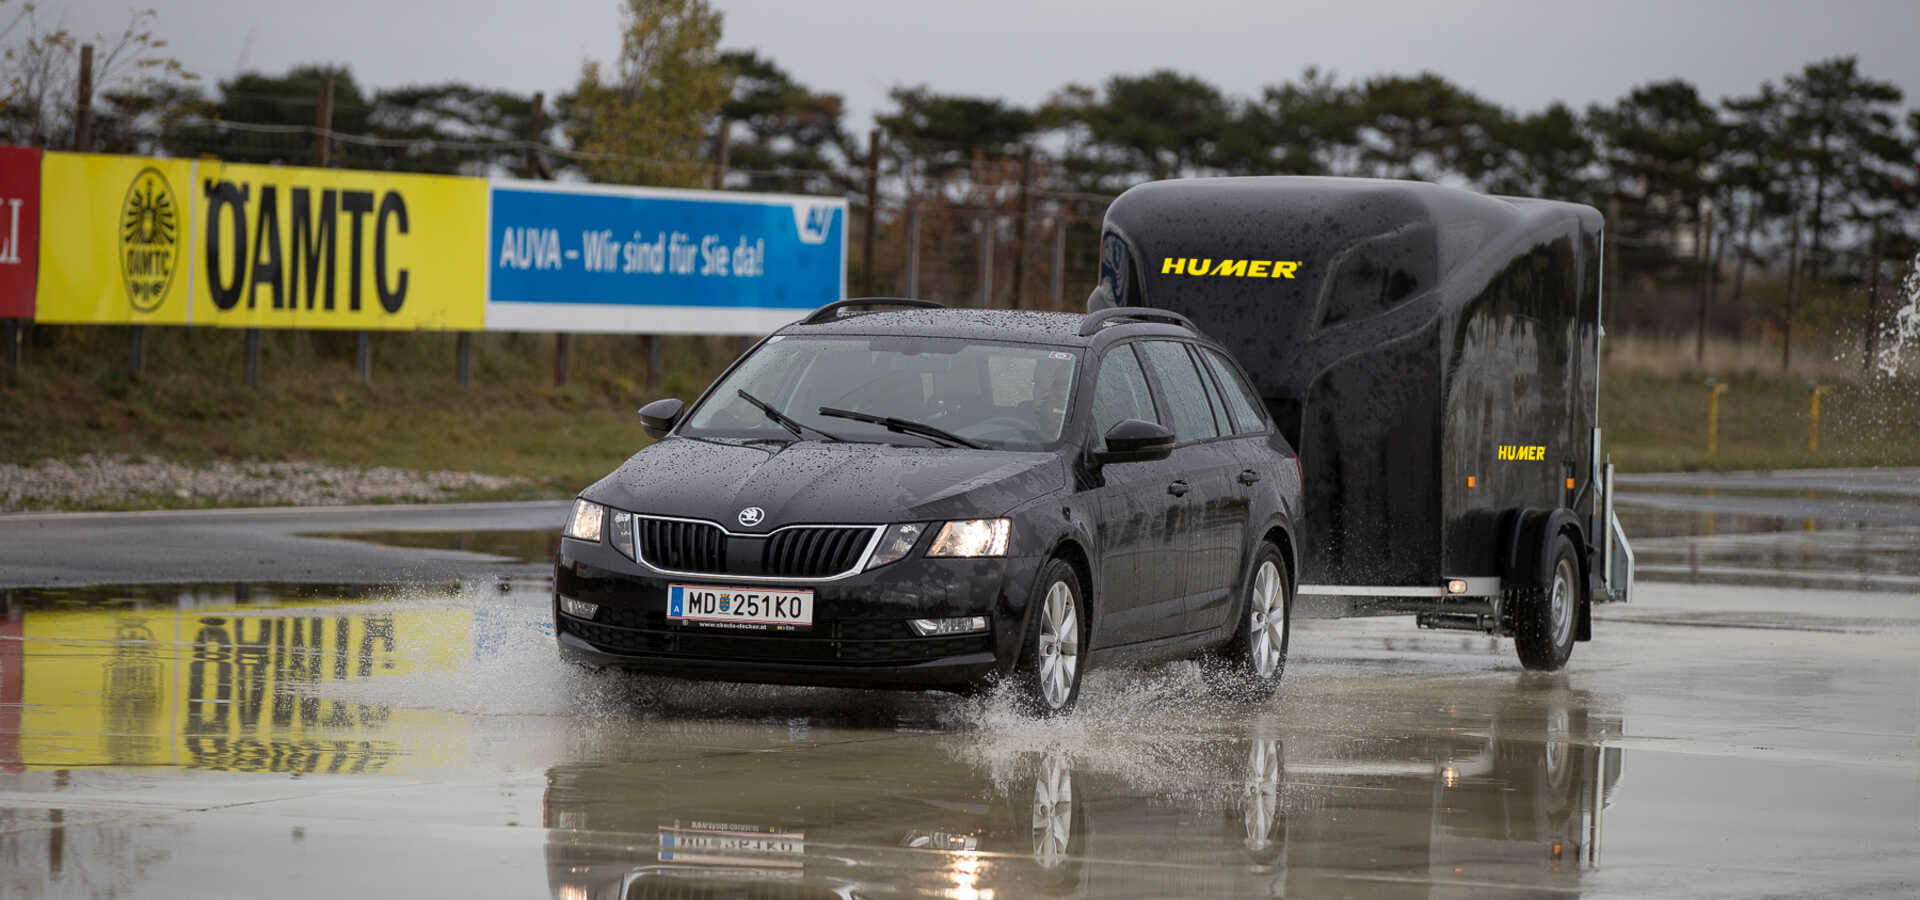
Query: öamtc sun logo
{"x":149,"y":239}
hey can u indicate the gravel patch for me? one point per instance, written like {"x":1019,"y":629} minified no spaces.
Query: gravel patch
{"x":96,"y":480}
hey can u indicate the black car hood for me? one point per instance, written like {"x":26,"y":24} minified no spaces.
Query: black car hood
{"x":821,"y":482}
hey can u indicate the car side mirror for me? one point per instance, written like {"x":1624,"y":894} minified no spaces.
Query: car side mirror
{"x":658,"y":418}
{"x":1132,"y":440}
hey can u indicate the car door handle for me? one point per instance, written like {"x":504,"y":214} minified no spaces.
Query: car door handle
{"x":1249,"y":476}
{"x":1178,"y":489}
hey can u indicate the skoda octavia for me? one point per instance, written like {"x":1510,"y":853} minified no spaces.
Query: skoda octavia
{"x":891,"y":494}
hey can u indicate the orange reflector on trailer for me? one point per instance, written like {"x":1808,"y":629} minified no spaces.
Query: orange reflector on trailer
{"x":1469,"y":481}
{"x":1569,"y":483}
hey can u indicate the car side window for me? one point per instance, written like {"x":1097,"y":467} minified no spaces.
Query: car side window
{"x":1186,"y":396}
{"x":1120,"y":392}
{"x":1240,"y":398}
{"x":1218,"y":406}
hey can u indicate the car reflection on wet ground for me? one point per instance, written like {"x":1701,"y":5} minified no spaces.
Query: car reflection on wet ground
{"x":1746,"y":726}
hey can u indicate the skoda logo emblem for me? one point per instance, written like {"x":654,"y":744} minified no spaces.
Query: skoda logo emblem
{"x":149,"y":239}
{"x":752,"y":515}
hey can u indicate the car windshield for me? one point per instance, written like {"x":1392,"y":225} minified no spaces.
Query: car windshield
{"x":1000,"y":396}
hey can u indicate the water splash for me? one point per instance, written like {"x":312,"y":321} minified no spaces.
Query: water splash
{"x":1904,"y":330}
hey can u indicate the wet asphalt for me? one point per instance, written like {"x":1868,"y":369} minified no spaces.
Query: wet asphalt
{"x":365,"y":701}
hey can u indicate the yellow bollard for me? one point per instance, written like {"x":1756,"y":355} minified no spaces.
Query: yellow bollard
{"x":1813,"y":419}
{"x":1714,"y":390}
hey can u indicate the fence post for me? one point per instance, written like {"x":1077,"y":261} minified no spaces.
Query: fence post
{"x":11,"y":338}
{"x":721,"y":140}
{"x":913,"y":249}
{"x":1873,"y":304}
{"x":537,"y":129}
{"x":83,"y":113}
{"x":1715,"y":388}
{"x":986,"y":260}
{"x":323,"y":124}
{"x":872,"y":214}
{"x":1020,"y":229}
{"x":463,"y":359}
{"x":1793,"y":292}
{"x":1060,"y":264}
{"x":562,"y":358}
{"x":653,"y":361}
{"x":1610,"y":278}
{"x":1705,"y":288}
{"x":363,"y":357}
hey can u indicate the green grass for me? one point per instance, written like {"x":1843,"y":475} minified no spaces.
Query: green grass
{"x":1658,"y":422}
{"x":74,"y":396}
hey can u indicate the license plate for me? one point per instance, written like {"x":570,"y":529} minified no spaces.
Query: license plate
{"x":731,"y":845}
{"x":737,"y":607}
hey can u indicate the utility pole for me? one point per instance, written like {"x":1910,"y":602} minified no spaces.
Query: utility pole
{"x":1873,"y":304}
{"x":872,"y":214}
{"x":1020,"y":229}
{"x":83,"y":114}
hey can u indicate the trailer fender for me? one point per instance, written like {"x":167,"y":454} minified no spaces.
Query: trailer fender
{"x":1527,"y":538}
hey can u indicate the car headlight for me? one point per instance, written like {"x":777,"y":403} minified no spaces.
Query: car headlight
{"x":896,"y":543}
{"x":586,"y":520}
{"x":972,"y":537}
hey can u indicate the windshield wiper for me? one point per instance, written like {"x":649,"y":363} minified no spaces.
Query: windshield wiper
{"x":905,"y":426}
{"x":784,"y":420}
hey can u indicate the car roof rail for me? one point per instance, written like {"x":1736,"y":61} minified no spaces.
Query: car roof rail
{"x":832,"y":310}
{"x":1099,"y":318}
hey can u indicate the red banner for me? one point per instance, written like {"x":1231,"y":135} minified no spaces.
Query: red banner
{"x":19,"y":230}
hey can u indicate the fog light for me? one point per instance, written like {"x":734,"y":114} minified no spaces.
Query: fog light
{"x":937,"y":627}
{"x":579,"y":609}
{"x":1457,"y":586}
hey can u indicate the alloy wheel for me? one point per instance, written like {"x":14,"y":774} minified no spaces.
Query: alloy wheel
{"x":1059,"y":645}
{"x":1267,"y":620}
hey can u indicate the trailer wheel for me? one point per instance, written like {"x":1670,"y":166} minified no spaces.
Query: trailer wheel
{"x":1256,"y":655}
{"x":1544,"y":617}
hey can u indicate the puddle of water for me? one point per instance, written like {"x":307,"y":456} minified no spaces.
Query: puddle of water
{"x":274,"y":696}
{"x":536,"y":546}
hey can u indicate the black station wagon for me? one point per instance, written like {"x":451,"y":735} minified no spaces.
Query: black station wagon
{"x":891,"y":494}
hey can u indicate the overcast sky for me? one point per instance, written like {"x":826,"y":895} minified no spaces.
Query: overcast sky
{"x":1522,"y":54}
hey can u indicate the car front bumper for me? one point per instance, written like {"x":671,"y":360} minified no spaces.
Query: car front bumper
{"x":860,"y":636}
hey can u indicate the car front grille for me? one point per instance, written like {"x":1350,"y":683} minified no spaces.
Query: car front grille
{"x":682,"y":546}
{"x":813,"y":552}
{"x":803,"y":551}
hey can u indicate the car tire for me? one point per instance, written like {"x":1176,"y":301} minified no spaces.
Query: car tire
{"x":1256,"y":656}
{"x":1050,"y":670}
{"x":1544,"y":617}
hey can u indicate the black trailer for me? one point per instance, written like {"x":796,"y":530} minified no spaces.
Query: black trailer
{"x":1433,"y":355}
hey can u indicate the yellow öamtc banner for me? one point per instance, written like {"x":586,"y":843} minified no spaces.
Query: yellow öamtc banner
{"x":132,"y":240}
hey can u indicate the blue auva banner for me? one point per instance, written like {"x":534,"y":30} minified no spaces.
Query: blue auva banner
{"x":657,"y":261}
